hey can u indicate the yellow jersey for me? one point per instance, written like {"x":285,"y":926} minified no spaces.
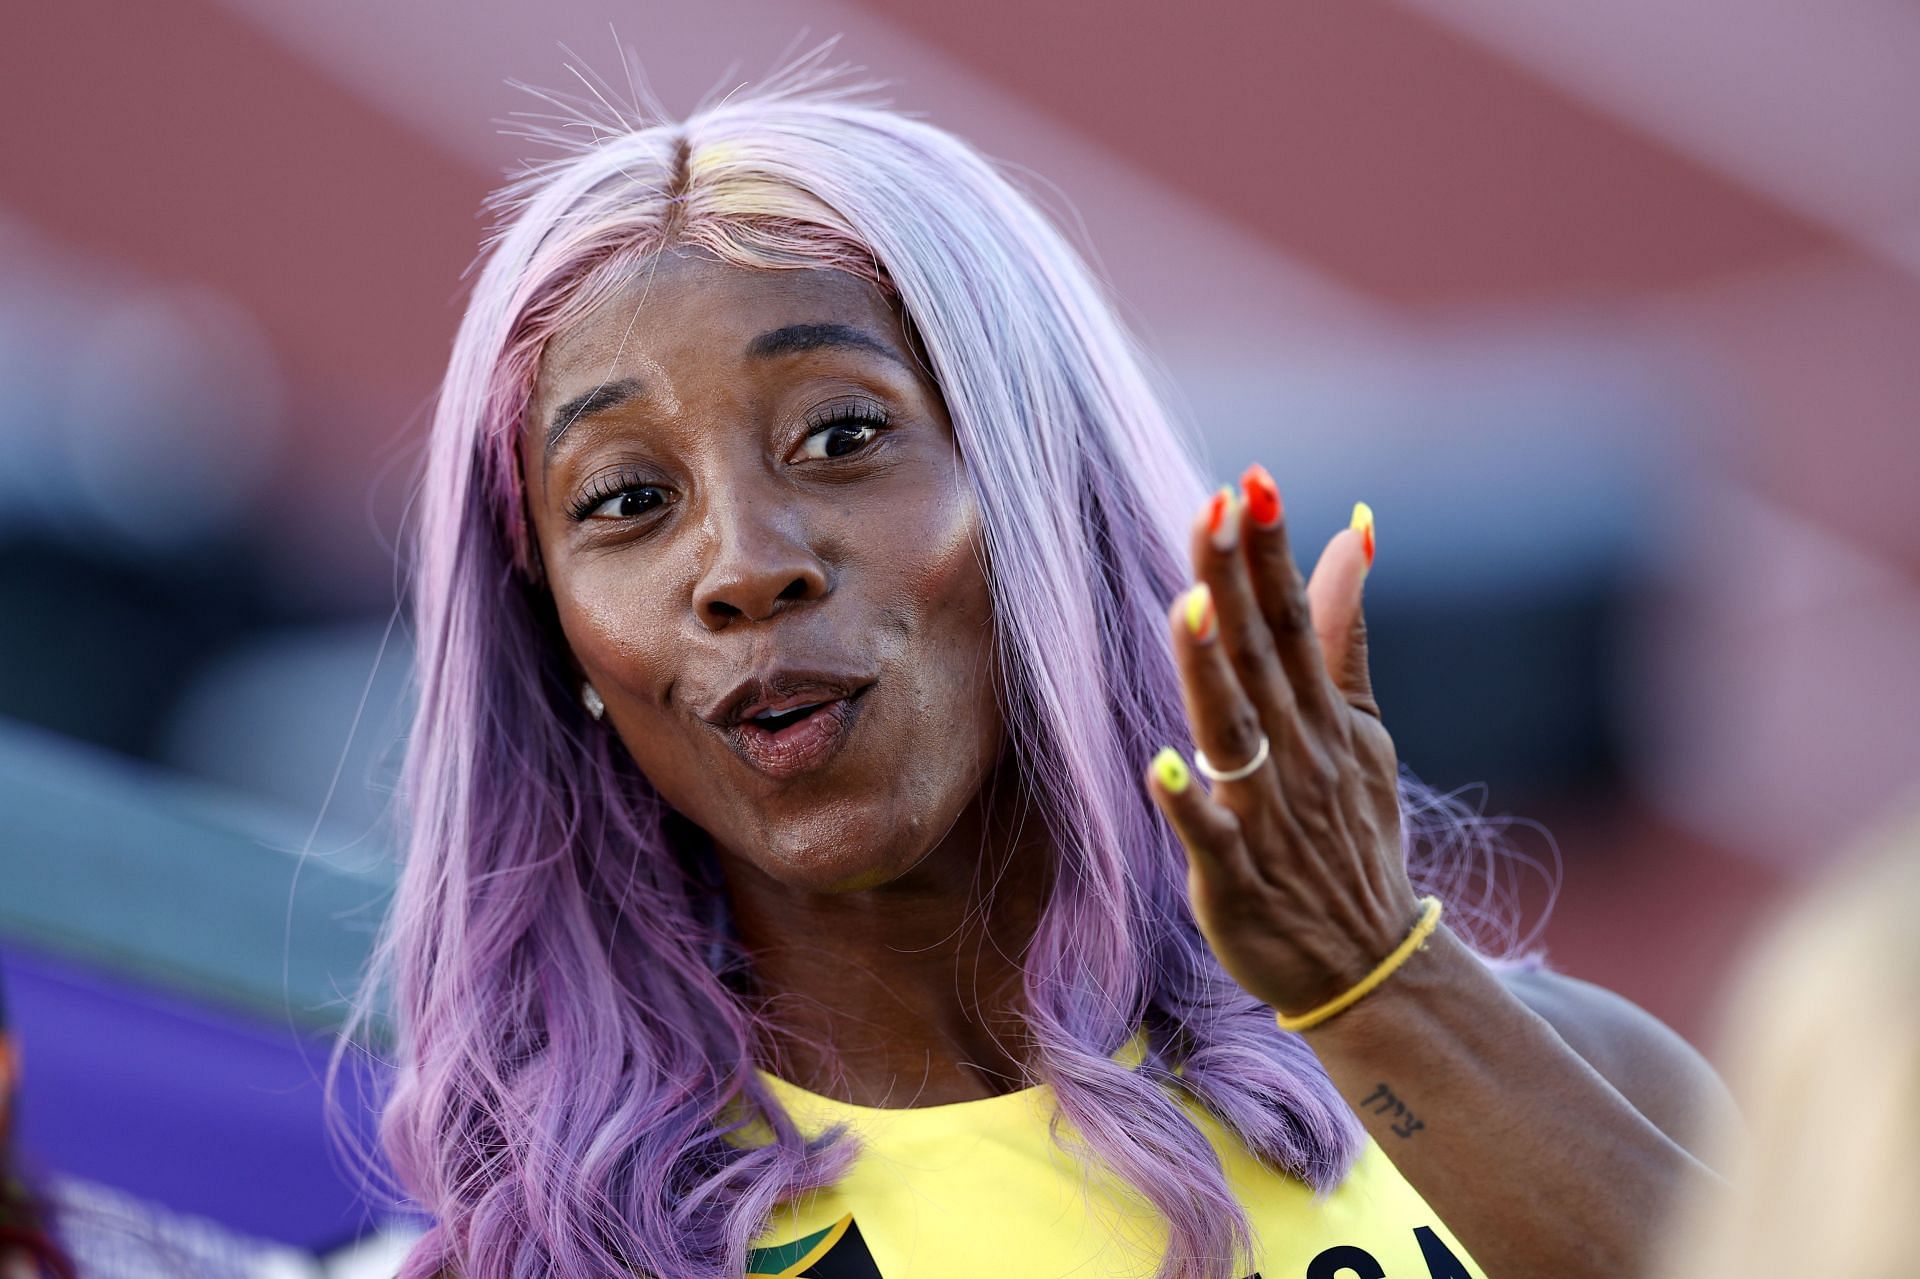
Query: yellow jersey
{"x":979,"y":1190}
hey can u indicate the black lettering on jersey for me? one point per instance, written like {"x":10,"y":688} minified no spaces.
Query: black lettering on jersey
{"x":839,"y":1252}
{"x":1336,"y":1261}
{"x":1441,"y":1263}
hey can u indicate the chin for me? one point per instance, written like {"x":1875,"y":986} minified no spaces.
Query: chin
{"x":836,"y":851}
{"x":872,"y":817}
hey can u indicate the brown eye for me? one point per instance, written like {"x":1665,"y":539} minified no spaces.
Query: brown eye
{"x":837,"y":439}
{"x":841,"y":429}
{"x":624,"y":506}
{"x":618,"y":498}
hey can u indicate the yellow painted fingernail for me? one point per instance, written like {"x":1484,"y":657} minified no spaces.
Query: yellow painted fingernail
{"x":1363,"y":520}
{"x":1170,"y":770}
{"x":1200,"y":618}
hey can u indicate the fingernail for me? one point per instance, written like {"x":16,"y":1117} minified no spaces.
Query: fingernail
{"x":1223,"y":520}
{"x":1200,"y":619}
{"x":1262,"y":497}
{"x":1363,"y":520}
{"x":1170,"y":770}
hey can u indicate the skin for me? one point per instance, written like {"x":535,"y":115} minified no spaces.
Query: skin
{"x":1538,"y":1162}
{"x":853,"y":885}
{"x":857,"y":887}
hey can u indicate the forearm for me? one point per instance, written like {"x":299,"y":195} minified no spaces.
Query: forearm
{"x":1535,"y":1162}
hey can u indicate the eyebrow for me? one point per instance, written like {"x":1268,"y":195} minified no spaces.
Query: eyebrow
{"x":791,"y":340}
{"x":608,"y":395}
{"x":807,"y":337}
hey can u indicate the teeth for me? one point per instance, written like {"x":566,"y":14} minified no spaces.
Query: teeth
{"x":791,"y":710}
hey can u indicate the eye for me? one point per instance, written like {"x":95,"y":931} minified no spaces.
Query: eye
{"x":849,"y":431}
{"x":626,"y":505}
{"x":618,"y":497}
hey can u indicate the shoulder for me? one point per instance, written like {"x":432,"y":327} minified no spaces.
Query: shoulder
{"x":1661,"y":1074}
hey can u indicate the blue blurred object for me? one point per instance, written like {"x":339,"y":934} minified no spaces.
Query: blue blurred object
{"x":174,"y":964}
{"x":181,"y":1102}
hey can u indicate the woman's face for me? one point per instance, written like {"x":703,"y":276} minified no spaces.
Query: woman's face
{"x":764,"y":555}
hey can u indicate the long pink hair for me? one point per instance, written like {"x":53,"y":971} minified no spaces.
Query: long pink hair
{"x":572,"y":1049}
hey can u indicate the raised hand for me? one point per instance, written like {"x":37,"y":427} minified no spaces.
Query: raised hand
{"x":1295,"y":864}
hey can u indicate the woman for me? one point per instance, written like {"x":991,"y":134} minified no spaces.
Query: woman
{"x":792,"y":602}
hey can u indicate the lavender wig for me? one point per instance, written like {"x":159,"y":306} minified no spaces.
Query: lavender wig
{"x":572,"y":1049}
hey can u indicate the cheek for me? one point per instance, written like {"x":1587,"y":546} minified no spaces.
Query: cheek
{"x":948,"y":592}
{"x":618,"y":626}
{"x":951,"y":582}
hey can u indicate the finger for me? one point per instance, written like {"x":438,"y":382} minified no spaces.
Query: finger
{"x":1336,"y":595}
{"x":1209,"y":832}
{"x":1225,"y":723}
{"x":1282,"y":594}
{"x":1242,"y":627}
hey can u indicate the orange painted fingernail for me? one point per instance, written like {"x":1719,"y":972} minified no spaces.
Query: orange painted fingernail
{"x":1171,"y":771}
{"x":1363,"y":520}
{"x":1223,"y":520}
{"x":1200,"y":616}
{"x":1262,"y":496}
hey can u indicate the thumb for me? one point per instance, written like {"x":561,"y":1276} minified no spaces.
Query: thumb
{"x":1334,"y":596}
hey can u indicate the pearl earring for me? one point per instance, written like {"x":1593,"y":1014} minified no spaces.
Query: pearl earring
{"x":591,"y":697}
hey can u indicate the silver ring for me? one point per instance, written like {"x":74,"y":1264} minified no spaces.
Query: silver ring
{"x":1206,"y":769}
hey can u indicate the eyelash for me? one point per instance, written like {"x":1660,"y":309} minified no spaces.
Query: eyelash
{"x":622,"y":482}
{"x":856,"y":413}
{"x":606,"y":487}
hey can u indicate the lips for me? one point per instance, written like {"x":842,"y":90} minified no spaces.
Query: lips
{"x":788,"y":723}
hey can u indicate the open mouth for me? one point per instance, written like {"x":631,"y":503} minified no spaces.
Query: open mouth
{"x":789,"y":735}
{"x":779,"y":721}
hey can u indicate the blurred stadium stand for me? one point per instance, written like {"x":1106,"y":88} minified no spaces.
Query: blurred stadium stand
{"x":173,"y":963}
{"x":1608,"y":311}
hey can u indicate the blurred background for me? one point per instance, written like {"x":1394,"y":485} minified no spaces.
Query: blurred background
{"x":1610,"y":311}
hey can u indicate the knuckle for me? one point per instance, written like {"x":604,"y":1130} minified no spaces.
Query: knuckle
{"x":1227,"y":838}
{"x":1242,"y":729}
{"x":1247,"y":637}
{"x":1317,"y":775}
{"x":1313,"y":817}
{"x":1293,"y":620}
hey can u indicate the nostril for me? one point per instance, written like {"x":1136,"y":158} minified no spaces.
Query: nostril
{"x":753,"y":597}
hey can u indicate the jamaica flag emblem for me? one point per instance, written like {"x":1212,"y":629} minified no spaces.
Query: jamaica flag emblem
{"x":837,"y":1252}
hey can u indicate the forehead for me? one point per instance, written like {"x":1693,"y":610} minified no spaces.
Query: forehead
{"x":684,"y":308}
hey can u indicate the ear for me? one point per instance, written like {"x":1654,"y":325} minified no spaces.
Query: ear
{"x":1334,"y":596}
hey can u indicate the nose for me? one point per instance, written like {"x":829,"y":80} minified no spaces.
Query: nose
{"x":761,"y":564}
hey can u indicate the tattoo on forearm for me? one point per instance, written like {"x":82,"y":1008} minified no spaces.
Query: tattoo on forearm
{"x":1382,"y":1102}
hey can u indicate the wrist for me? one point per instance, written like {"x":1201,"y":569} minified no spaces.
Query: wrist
{"x":1401,"y":1005}
{"x":1342,"y":946}
{"x":1350,"y":955}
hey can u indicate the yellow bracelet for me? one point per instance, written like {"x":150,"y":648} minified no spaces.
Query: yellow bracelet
{"x":1429,"y":920}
